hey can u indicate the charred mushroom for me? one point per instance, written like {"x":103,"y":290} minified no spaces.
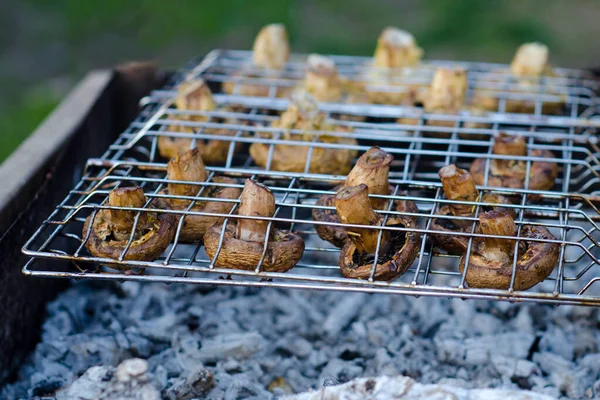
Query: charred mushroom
{"x":395,"y":55}
{"x":397,"y":249}
{"x":303,"y":114}
{"x":190,"y":168}
{"x":446,"y":95}
{"x":244,"y":242}
{"x":196,"y":96}
{"x":491,"y":260}
{"x":111,"y":229}
{"x":372,"y":169}
{"x":529,"y":64}
{"x":459,"y":185}
{"x":512,"y":173}
{"x":270,"y":53}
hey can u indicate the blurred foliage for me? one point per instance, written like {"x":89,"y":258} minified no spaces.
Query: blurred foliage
{"x":327,"y":26}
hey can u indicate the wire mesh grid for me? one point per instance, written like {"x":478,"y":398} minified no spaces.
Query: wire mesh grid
{"x":569,"y":210}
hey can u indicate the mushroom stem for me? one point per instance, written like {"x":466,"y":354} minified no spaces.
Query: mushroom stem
{"x":372,"y":169}
{"x":195,"y":95}
{"x":508,"y":145}
{"x":257,"y":201}
{"x":126,"y":197}
{"x":186,"y":167}
{"x":353,"y":207}
{"x":447,"y":91}
{"x":322,"y":79}
{"x":396,"y":49}
{"x":458,"y":185}
{"x":271,"y":48}
{"x":499,"y":223}
{"x":531,"y":59}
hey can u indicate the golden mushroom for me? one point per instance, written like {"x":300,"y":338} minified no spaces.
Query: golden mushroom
{"x":196,"y":96}
{"x":190,"y":168}
{"x":270,"y":53}
{"x":459,"y":185}
{"x":302,"y":114}
{"x":372,"y":169}
{"x":111,"y":229}
{"x":396,"y":250}
{"x":491,"y":259}
{"x":244,"y":241}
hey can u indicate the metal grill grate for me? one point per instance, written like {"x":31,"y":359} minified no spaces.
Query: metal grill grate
{"x":569,"y":211}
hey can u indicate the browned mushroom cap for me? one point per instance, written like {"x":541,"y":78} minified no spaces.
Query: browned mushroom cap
{"x":302,"y":114}
{"x":189,"y":167}
{"x":111,"y":229}
{"x":197,"y":96}
{"x":458,"y":185}
{"x":372,"y":169}
{"x":243,"y":243}
{"x":511,"y":173}
{"x":397,"y":249}
{"x":270,"y":53}
{"x":491,"y":260}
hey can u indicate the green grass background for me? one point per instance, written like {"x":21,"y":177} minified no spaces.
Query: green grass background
{"x":46,"y":46}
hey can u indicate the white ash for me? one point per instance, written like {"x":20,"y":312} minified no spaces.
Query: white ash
{"x":264,"y":343}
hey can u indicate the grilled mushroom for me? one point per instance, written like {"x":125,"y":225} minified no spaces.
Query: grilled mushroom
{"x":459,"y":185}
{"x":270,"y":53}
{"x":196,"y":96}
{"x":244,"y":242}
{"x":190,"y":168}
{"x":111,"y":229}
{"x":446,"y":95}
{"x":529,"y":64}
{"x":395,"y":55}
{"x":397,"y":249}
{"x":372,"y":169}
{"x":302,"y":114}
{"x":512,"y":173}
{"x":491,"y":260}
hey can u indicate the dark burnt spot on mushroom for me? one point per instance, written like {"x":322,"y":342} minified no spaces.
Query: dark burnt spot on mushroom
{"x":397,"y":242}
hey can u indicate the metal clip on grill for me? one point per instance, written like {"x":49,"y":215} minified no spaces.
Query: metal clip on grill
{"x":569,"y":210}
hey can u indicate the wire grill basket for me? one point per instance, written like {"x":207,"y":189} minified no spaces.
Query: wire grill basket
{"x":570,"y":210}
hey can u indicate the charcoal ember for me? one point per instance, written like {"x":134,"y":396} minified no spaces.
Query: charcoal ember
{"x":401,"y":387}
{"x":479,"y":350}
{"x":295,"y":345}
{"x":168,"y":361}
{"x":86,"y":351}
{"x":243,"y":387}
{"x":596,"y":388}
{"x":44,"y":385}
{"x":592,"y":362}
{"x":137,"y":344}
{"x":550,"y":362}
{"x":129,"y":380}
{"x":342,"y":313}
{"x":161,"y":329}
{"x":317,"y":359}
{"x":380,"y":331}
{"x":584,"y":342}
{"x":384,"y":364}
{"x":523,"y":322}
{"x":340,"y":370}
{"x":513,"y":369}
{"x":234,"y":345}
{"x":298,"y":382}
{"x":197,"y":383}
{"x":573,"y":383}
{"x":556,"y":341}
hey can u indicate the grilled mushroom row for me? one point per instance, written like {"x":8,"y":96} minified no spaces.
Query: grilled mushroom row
{"x":512,"y":173}
{"x":303,"y":115}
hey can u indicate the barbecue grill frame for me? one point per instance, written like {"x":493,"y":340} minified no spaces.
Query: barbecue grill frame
{"x":574,"y":132}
